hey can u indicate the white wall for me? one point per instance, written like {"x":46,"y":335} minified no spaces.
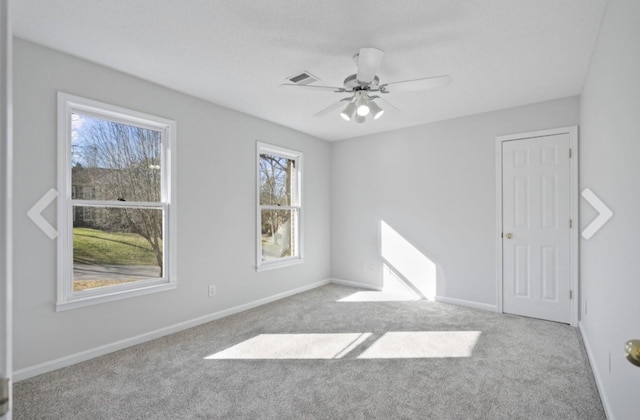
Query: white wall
{"x":435,"y":186}
{"x":610,"y":166}
{"x":216,"y":208}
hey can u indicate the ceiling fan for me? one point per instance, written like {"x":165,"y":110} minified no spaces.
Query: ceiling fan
{"x":364,"y":88}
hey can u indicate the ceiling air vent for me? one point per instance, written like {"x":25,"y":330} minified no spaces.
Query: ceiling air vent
{"x":302,"y":78}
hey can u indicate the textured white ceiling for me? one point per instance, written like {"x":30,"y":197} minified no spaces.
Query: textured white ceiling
{"x":500,"y":53}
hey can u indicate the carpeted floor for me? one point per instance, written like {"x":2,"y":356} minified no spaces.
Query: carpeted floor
{"x":385,"y":368}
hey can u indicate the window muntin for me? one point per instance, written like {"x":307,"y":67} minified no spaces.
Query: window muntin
{"x":117,"y":220}
{"x":279,"y":240}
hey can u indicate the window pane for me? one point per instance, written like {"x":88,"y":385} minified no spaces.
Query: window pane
{"x":115,"y":245}
{"x":278,"y":234}
{"x":277,"y":180}
{"x":114,"y":161}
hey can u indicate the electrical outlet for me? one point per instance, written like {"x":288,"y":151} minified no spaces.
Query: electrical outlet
{"x":212,"y":290}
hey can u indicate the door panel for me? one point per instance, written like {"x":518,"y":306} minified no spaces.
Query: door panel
{"x":521,"y":270}
{"x":536,"y":213}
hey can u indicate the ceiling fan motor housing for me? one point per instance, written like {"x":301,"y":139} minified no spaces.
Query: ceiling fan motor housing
{"x":351,"y":82}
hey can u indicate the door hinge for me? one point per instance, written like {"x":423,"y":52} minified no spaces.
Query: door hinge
{"x":570,"y":294}
{"x":570,"y":153}
{"x":570,"y":224}
{"x":4,"y":396}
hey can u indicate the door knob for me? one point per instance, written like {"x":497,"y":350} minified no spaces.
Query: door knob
{"x":508,"y":235}
{"x":632,"y":349}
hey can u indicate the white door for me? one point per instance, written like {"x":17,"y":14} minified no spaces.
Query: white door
{"x":536,"y":217}
{"x":5,"y":236}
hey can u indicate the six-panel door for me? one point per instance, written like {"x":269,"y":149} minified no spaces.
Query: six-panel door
{"x":536,"y":227}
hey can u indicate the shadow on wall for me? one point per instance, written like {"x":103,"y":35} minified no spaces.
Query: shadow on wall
{"x":405,"y":267}
{"x":407,"y":274}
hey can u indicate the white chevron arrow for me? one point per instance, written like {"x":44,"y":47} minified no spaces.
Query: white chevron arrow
{"x":604,"y":215}
{"x":35,"y":213}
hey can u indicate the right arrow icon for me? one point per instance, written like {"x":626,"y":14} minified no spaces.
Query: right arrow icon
{"x":604,"y":215}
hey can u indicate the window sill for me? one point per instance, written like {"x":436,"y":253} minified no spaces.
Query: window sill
{"x":112,"y":296}
{"x":271,"y":265}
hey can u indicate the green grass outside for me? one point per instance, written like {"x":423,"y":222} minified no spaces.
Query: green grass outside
{"x":92,"y":246}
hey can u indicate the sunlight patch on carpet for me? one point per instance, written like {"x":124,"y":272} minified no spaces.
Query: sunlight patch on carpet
{"x":294,"y":346}
{"x":381,"y":296}
{"x":422,"y":344}
{"x":390,"y":345}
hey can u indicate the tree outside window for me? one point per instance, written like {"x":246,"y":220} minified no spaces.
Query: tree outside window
{"x":279,"y":204}
{"x":117,"y":207}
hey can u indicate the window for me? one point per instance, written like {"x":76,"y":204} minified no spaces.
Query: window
{"x":279,"y":213}
{"x":116,"y":208}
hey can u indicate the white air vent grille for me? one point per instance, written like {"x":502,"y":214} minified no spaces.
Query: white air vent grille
{"x":302,"y":78}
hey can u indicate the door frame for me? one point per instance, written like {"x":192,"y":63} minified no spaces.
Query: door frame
{"x":6,"y":163}
{"x":574,"y":264}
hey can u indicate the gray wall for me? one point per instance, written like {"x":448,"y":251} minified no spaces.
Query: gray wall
{"x":215,"y":204}
{"x":610,"y":166}
{"x":435,"y":186}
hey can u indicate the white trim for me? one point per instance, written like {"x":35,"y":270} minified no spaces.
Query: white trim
{"x":443,"y":299}
{"x":6,"y":196}
{"x":66,"y":298}
{"x":356,"y":284}
{"x":297,"y":156}
{"x":498,"y":154}
{"x":575,"y":193}
{"x":596,"y":375}
{"x":467,"y":303}
{"x":97,"y":296}
{"x":115,"y":113}
{"x":153,"y":205}
{"x":280,"y":263}
{"x":72,"y":359}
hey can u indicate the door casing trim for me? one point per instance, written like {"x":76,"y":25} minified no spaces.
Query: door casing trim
{"x":574,"y":265}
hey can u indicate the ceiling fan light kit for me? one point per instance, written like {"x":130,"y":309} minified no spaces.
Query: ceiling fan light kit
{"x":375,"y":110}
{"x":361,"y":107}
{"x":362,"y":104}
{"x":364,"y":82}
{"x":349,"y":111}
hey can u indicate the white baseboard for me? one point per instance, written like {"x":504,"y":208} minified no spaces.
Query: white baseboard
{"x":596,"y":375}
{"x":460,"y":302}
{"x":356,"y":284}
{"x":469,"y":303}
{"x":82,"y":356}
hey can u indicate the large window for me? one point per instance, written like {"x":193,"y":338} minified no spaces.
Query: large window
{"x":116,"y":215}
{"x":279,"y":214}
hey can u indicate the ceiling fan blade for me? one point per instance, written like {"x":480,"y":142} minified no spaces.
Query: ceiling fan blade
{"x":416,"y":84}
{"x":369,"y":60}
{"x":387,"y":102}
{"x":316,"y":87}
{"x":331,"y":107}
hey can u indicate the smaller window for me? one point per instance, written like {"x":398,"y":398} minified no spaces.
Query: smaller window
{"x":279,"y":209}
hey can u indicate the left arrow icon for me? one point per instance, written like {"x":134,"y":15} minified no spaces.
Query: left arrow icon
{"x":35,"y":213}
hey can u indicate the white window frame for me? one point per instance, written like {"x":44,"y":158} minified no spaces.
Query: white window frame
{"x":299,"y":238}
{"x":66,"y":297}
